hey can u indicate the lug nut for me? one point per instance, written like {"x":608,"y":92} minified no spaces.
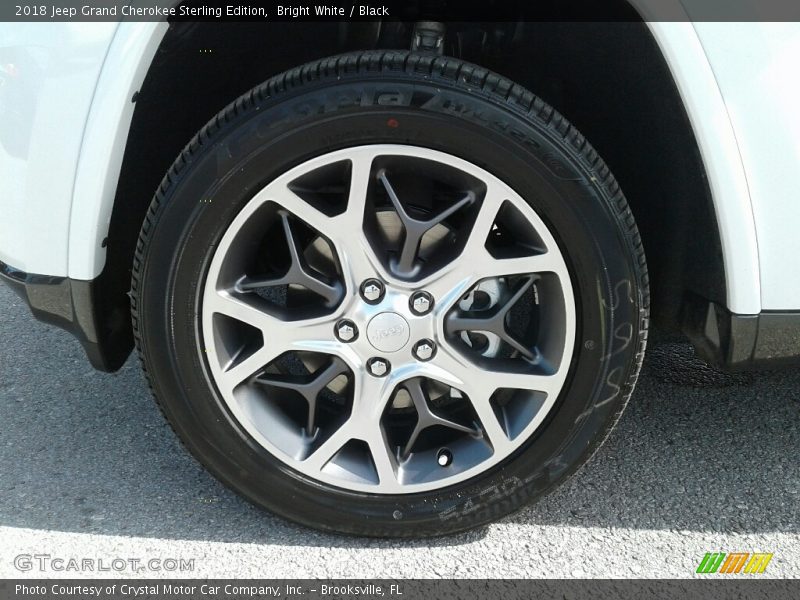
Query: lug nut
{"x":378,"y":366}
{"x":424,"y":349}
{"x":372,"y":291}
{"x":346,"y":330}
{"x":421,"y":303}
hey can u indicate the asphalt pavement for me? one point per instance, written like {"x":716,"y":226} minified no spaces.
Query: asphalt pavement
{"x":700,"y":462}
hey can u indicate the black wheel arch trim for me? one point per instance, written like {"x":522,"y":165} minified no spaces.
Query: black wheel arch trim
{"x":81,"y":308}
{"x":734,"y":342}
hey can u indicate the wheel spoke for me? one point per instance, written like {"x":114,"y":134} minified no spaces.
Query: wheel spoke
{"x":492,"y":200}
{"x":490,"y":425}
{"x":534,"y":382}
{"x":479,"y":389}
{"x":278,"y":331}
{"x":322,"y":455}
{"x":355,"y":252}
{"x":307,"y":386}
{"x":298,"y":273}
{"x":537,"y":263}
{"x":278,"y":336}
{"x":383,"y":458}
{"x":425,"y":416}
{"x":370,"y":396}
{"x":483,"y":263}
{"x":415,"y":229}
{"x":450,"y":285}
{"x":380,"y":452}
{"x":226,"y":303}
{"x":293,"y":204}
{"x":476,"y":263}
{"x":233,"y":376}
{"x":493,"y":321}
{"x":360,"y":177}
{"x":486,"y":380}
{"x":481,"y":384}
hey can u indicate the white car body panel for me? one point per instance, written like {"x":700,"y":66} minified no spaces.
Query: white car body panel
{"x":718,"y":146}
{"x":760,"y":82}
{"x":50,"y":72}
{"x":60,"y":193}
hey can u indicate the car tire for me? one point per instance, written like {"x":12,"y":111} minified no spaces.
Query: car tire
{"x":439,"y":135}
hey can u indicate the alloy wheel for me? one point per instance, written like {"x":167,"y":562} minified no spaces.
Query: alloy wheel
{"x":388,"y":319}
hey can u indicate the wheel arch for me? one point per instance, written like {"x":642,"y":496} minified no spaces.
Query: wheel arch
{"x":691,"y":205}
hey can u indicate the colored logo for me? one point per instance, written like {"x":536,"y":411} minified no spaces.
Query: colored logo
{"x":734,"y":562}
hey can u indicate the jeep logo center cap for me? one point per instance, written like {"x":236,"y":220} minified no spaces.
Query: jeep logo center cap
{"x":388,"y":332}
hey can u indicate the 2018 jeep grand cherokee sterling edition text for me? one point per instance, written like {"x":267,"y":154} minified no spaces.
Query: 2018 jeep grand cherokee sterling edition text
{"x":380,"y":276}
